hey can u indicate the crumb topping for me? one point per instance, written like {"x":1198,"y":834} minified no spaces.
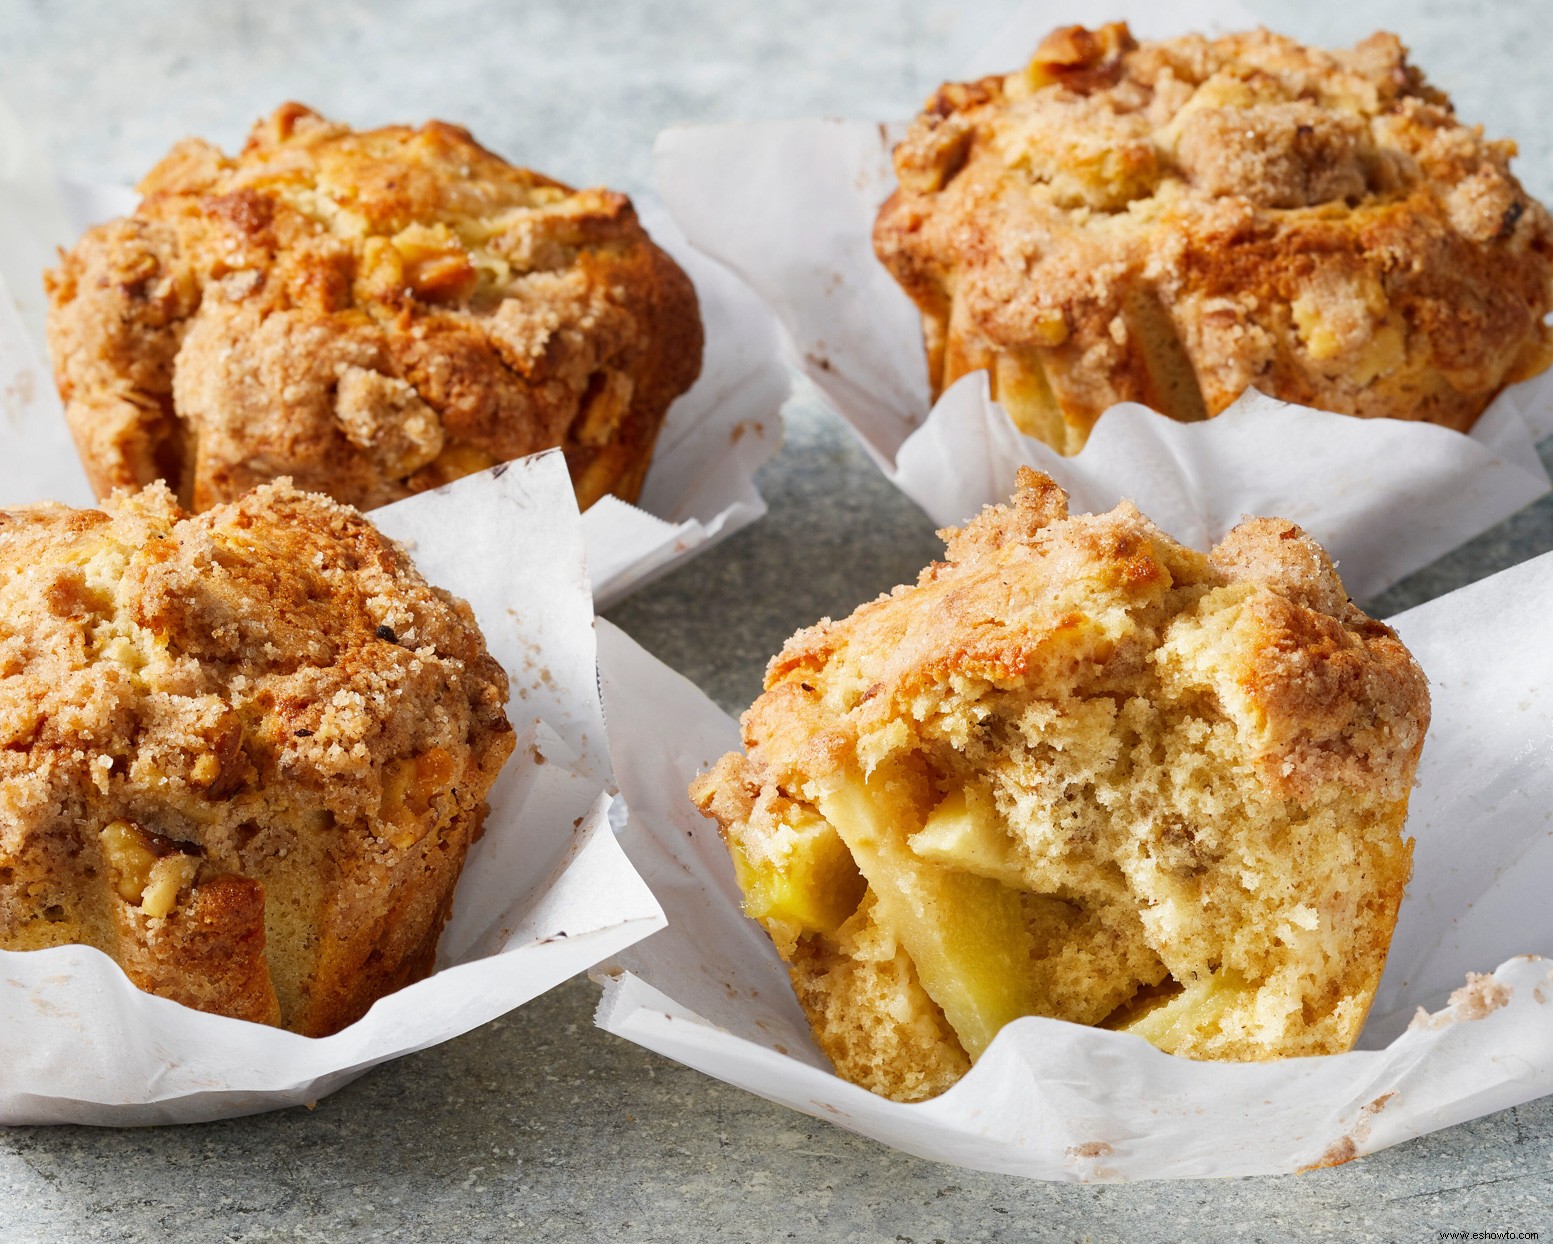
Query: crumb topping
{"x":265,"y":696}
{"x":1171,"y":222}
{"x":372,"y":313}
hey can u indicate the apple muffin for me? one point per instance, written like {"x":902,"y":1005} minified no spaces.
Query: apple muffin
{"x":370,"y":313}
{"x":1081,"y":771}
{"x":1173,"y":222}
{"x":244,"y":753}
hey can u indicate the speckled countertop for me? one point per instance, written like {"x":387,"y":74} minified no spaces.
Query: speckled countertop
{"x":538,"y":1125}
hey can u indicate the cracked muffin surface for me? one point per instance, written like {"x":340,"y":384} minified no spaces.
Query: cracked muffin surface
{"x":1081,"y":771}
{"x":244,"y":752}
{"x":1172,"y":222}
{"x":371,"y":313}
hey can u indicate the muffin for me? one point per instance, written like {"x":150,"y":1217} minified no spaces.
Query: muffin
{"x":371,"y":314}
{"x":1173,"y":222}
{"x":244,"y":752}
{"x":1081,"y":771}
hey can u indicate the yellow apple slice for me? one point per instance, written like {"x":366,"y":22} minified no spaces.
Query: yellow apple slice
{"x":965,"y":934}
{"x":807,"y":878}
{"x":1198,"y":1008}
{"x":966,"y":832}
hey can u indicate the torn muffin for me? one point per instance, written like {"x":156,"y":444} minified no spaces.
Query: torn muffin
{"x":1081,"y":771}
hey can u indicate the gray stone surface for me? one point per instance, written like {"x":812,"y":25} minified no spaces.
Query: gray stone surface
{"x":538,"y":1125}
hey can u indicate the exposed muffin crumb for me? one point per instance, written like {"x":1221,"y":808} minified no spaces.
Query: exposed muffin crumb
{"x":1171,"y":222}
{"x":1079,"y":770}
{"x":244,"y":753}
{"x":370,"y":313}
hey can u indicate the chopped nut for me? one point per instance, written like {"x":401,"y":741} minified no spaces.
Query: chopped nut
{"x":1079,"y":58}
{"x":170,"y":876}
{"x":148,"y":869}
{"x":130,"y":858}
{"x":206,"y":769}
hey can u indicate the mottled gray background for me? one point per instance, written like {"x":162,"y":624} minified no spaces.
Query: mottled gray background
{"x":538,"y":1125}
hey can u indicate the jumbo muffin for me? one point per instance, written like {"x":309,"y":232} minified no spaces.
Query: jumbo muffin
{"x":1172,"y":222}
{"x":1084,"y":772}
{"x":244,"y":753}
{"x":371,"y":314}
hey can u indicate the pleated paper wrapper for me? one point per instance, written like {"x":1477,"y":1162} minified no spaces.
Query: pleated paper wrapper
{"x":699,"y":490}
{"x":545,"y":892}
{"x":1051,"y":1100}
{"x":790,"y":206}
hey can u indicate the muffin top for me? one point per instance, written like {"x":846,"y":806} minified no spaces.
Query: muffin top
{"x":1035,"y":604}
{"x":371,"y":313}
{"x":1175,"y":221}
{"x":155,"y":662}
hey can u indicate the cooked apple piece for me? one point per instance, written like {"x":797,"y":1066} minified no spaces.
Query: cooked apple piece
{"x":965,"y":934}
{"x":812,"y":884}
{"x":966,"y":832}
{"x":1195,"y":1011}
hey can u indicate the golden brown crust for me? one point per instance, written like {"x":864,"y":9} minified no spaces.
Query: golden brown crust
{"x":1171,"y":222}
{"x":1195,"y":770}
{"x":244,"y":752}
{"x":207,"y":953}
{"x":1312,"y":675}
{"x":369,"y":313}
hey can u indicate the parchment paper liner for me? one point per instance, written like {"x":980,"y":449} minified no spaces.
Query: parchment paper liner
{"x":790,"y":205}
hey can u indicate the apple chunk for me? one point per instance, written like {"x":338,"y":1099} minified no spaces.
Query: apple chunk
{"x":1198,"y":1009}
{"x":965,"y":934}
{"x":966,"y":832}
{"x":805,"y":878}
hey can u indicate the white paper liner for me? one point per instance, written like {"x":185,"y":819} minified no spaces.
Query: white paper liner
{"x":1051,"y":1100}
{"x":701,"y":486}
{"x":790,"y":207}
{"x":544,"y":893}
{"x":699,"y":490}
